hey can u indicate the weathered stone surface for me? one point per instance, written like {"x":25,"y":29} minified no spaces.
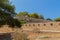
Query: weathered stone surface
{"x":5,"y":36}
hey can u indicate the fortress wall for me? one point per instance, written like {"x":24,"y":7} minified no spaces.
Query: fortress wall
{"x":43,"y":35}
{"x":42,"y":26}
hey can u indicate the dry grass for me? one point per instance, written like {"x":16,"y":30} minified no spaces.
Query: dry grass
{"x":16,"y":32}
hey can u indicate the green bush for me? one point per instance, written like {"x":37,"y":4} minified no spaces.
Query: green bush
{"x":22,"y":22}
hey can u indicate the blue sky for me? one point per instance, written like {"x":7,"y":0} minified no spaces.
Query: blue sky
{"x":48,"y":8}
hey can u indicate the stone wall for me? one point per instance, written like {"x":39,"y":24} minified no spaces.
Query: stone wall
{"x":42,"y":30}
{"x":5,"y":36}
{"x":42,"y":26}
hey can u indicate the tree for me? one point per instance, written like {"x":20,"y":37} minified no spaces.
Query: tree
{"x":49,"y":19}
{"x":57,"y":19}
{"x":41,"y":17}
{"x":22,"y":22}
{"x":7,"y":12}
{"x":34,"y":15}
{"x":23,"y":14}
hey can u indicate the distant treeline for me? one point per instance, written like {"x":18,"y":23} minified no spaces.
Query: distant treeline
{"x":36,"y":15}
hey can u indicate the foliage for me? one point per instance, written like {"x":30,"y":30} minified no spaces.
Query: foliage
{"x":23,"y":14}
{"x":49,"y":19}
{"x":22,"y":22}
{"x":57,"y":19}
{"x":41,"y":17}
{"x":14,"y":23}
{"x":36,"y":15}
{"x":33,"y":15}
{"x":7,"y":12}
